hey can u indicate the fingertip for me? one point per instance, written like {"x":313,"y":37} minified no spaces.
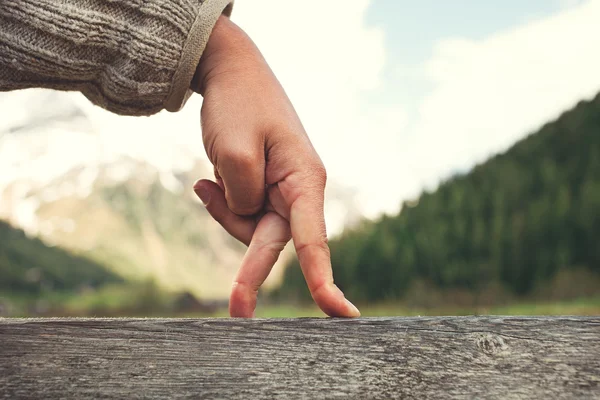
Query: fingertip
{"x":198,"y":184}
{"x":203,"y":189}
{"x":332,"y":302}
{"x":203,"y":194}
{"x":242,"y":301}
{"x":202,"y":183}
{"x":352,"y":311}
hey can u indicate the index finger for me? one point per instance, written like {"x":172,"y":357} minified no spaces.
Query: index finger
{"x":307,"y":221}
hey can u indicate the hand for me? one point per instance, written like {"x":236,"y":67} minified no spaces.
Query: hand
{"x":270,"y":181}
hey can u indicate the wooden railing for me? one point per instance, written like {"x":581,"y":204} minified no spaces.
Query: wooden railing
{"x":383,"y":358}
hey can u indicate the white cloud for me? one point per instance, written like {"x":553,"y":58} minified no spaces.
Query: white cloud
{"x":490,"y":93}
{"x":564,"y":4}
{"x":327,"y":59}
{"x":486,"y":94}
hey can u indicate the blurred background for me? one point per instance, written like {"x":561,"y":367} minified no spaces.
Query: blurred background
{"x":462,"y":141}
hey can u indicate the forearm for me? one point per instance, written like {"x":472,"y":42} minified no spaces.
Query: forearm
{"x":229,"y":52}
{"x":232,"y":63}
{"x":130,"y":57}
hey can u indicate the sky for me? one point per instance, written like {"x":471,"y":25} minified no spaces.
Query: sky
{"x":397,"y":95}
{"x":413,"y":28}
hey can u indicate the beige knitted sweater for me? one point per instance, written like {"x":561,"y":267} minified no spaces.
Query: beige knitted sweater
{"x":132,"y":57}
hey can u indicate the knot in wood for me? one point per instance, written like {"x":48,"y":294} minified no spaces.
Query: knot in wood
{"x":491,"y":344}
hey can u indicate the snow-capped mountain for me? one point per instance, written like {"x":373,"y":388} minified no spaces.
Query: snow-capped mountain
{"x":119,"y":189}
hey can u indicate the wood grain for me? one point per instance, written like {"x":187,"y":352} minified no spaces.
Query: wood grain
{"x":378,"y":358}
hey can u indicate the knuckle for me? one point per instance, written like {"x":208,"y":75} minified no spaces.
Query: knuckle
{"x":241,"y":159}
{"x":245,"y":206}
{"x":242,"y":288}
{"x":216,"y":173}
{"x":271,"y":248}
{"x":244,"y":209}
{"x":319,"y":172}
{"x":320,"y":246}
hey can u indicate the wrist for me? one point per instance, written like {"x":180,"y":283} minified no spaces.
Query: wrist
{"x":228,"y":50}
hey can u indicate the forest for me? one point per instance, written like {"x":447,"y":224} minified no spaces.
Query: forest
{"x":526,"y":222}
{"x":520,"y":228}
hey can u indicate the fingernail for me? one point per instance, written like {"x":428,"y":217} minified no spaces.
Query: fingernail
{"x":353,"y":310}
{"x":203,"y":194}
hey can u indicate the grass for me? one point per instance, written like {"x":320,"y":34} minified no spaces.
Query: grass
{"x":144,"y":299}
{"x":582,"y":306}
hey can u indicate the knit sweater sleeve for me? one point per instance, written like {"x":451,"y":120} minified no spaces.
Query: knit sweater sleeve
{"x":132,"y":57}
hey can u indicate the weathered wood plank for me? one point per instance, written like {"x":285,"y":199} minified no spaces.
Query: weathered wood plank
{"x":468,"y":357}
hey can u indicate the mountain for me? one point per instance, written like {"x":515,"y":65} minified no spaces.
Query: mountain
{"x":524,"y":223}
{"x":138,"y":228}
{"x":82,"y":179}
{"x":62,"y":183}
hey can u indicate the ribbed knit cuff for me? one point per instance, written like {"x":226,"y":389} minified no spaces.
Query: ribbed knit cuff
{"x":209,"y":13}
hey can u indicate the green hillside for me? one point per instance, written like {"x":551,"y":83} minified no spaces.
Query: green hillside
{"x":523,"y":222}
{"x":141,"y":231}
{"x":28,"y":266}
{"x":37,"y":279}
